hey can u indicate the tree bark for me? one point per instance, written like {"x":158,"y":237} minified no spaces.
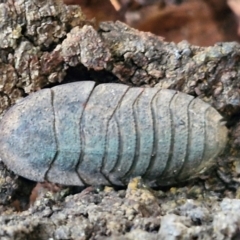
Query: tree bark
{"x":43,"y":43}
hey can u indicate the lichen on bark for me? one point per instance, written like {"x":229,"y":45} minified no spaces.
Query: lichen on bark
{"x":29,"y":30}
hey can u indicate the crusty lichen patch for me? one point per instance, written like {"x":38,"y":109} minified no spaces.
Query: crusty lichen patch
{"x":29,"y":32}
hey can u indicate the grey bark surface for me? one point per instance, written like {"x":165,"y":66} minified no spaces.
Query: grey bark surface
{"x":44,"y":43}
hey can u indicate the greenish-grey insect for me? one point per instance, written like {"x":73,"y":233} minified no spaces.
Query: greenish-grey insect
{"x":83,"y":134}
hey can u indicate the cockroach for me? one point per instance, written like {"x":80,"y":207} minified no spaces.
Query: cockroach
{"x":83,"y":134}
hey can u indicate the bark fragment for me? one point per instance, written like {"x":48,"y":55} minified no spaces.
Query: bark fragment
{"x":29,"y":30}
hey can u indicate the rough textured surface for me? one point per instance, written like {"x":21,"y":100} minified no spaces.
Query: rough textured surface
{"x":40,"y":43}
{"x":162,"y":135}
{"x":134,"y":57}
{"x":29,"y":32}
{"x":137,"y":213}
{"x":143,"y":58}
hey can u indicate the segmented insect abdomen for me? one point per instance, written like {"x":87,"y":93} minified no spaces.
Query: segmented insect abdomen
{"x":79,"y":133}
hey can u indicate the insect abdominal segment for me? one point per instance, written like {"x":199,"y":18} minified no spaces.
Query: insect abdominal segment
{"x":82,"y":134}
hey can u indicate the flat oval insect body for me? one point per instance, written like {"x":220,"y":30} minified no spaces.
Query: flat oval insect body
{"x":82,"y":134}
